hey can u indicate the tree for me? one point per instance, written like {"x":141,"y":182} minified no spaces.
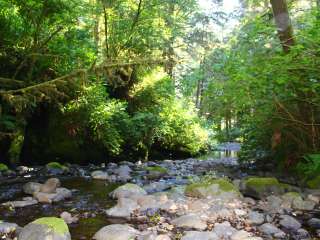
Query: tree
{"x":283,"y":23}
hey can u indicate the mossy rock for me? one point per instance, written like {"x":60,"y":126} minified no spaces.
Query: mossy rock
{"x":314,"y":183}
{"x":260,"y":187}
{"x":212,"y":188}
{"x":3,"y":167}
{"x":57,"y":224}
{"x":56,"y":168}
{"x":156,"y":172}
{"x":45,"y":228}
{"x":157,"y":169}
{"x":55,"y":165}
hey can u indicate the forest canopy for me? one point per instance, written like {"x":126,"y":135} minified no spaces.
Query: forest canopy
{"x":92,"y":80}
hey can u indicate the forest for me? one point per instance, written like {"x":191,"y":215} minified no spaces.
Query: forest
{"x":159,"y":92}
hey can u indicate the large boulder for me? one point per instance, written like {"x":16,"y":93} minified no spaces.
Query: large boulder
{"x":221,"y":188}
{"x":47,"y":228}
{"x":261,"y":187}
{"x":128,"y":190}
{"x":116,"y":232}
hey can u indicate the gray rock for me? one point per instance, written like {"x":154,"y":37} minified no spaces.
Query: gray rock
{"x":31,"y":187}
{"x":190,"y":221}
{"x":68,"y":218}
{"x":255,"y":218}
{"x":271,"y":231}
{"x":243,"y":235}
{"x":99,"y":175}
{"x":127,"y":190}
{"x":289,"y":222}
{"x":6,"y":228}
{"x":23,"y":203}
{"x":224,"y":230}
{"x":45,"y":229}
{"x":123,"y":209}
{"x":314,"y":223}
{"x":116,"y":232}
{"x":50,"y":185}
{"x":194,"y":235}
{"x":302,"y":234}
{"x":300,"y":204}
{"x":61,"y":194}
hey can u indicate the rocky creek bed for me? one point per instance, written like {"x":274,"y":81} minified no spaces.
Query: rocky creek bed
{"x":189,"y":199}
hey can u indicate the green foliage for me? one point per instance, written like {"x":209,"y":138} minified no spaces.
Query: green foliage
{"x":256,"y":93}
{"x":152,"y":117}
{"x":3,"y":167}
{"x":309,"y":166}
{"x":181,"y":128}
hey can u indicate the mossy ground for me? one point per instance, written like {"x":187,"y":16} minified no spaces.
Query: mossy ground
{"x":157,"y":169}
{"x":57,"y":224}
{"x":3,"y":167}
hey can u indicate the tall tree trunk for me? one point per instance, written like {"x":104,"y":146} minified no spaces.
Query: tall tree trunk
{"x":106,"y":31}
{"x":283,"y":22}
{"x":169,"y":51}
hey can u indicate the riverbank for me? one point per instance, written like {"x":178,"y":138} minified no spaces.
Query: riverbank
{"x":172,"y":199}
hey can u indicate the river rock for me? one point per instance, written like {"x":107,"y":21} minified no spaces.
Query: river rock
{"x":190,"y":221}
{"x":302,"y":234}
{"x":224,"y":230}
{"x":99,"y":175}
{"x":31,"y":187}
{"x":123,"y":209}
{"x":128,"y":190}
{"x":6,"y":228}
{"x":261,"y":187}
{"x":304,"y":205}
{"x":314,"y":223}
{"x":256,"y":218}
{"x":219,"y":188}
{"x":194,"y":235}
{"x":271,"y":231}
{"x":68,"y":218}
{"x":24,"y":203}
{"x":289,"y":222}
{"x":50,"y":185}
{"x":59,"y":195}
{"x":116,"y":232}
{"x":45,"y":229}
{"x":123,"y":173}
{"x":243,"y":235}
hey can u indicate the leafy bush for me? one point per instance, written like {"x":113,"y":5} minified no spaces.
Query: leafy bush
{"x":309,"y":166}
